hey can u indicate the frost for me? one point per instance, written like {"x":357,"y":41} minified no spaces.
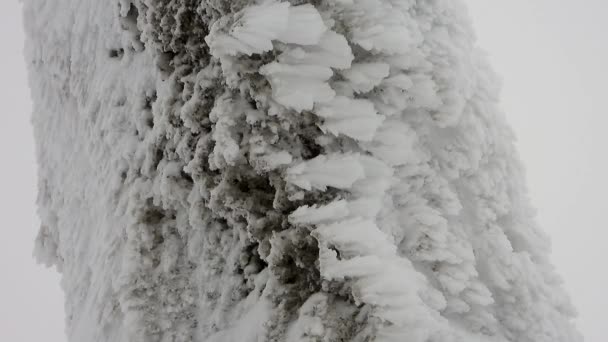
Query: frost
{"x":275,"y":159}
{"x":257,"y":26}
{"x":254,"y":29}
{"x":301,"y":78}
{"x":305,"y":26}
{"x":354,"y":118}
{"x":318,"y":214}
{"x":364,"y":77}
{"x":299,"y":86}
{"x":356,"y":237}
{"x":332,"y":170}
{"x":332,"y":51}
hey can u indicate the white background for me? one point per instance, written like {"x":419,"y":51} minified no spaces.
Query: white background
{"x":552,"y":56}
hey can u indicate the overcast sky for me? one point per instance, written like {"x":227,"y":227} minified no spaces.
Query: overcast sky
{"x":552,"y":56}
{"x":31,"y":303}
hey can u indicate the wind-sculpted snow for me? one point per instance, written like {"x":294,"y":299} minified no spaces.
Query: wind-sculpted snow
{"x":331,"y":170}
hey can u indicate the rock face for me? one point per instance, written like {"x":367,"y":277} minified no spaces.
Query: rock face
{"x":323,"y":170}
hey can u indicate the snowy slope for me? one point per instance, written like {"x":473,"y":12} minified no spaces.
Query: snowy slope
{"x":282,"y":171}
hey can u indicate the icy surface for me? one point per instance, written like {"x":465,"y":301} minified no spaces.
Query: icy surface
{"x":233,"y":170}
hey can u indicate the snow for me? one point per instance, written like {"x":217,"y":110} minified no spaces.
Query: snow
{"x":356,"y":237}
{"x":257,"y":26}
{"x":299,"y":86}
{"x":264,"y":171}
{"x":319,"y":214}
{"x":254,"y":29}
{"x":391,"y":145}
{"x":305,"y":27}
{"x":338,"y":171}
{"x":363,"y":77}
{"x":331,"y":51}
{"x":355,"y":118}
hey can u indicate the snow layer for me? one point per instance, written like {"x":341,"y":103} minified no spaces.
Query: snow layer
{"x":234,"y":170}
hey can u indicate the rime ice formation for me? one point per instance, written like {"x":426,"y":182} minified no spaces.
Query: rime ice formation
{"x":328,"y":170}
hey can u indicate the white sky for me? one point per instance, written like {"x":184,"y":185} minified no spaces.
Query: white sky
{"x":552,"y":56}
{"x":31,"y":303}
